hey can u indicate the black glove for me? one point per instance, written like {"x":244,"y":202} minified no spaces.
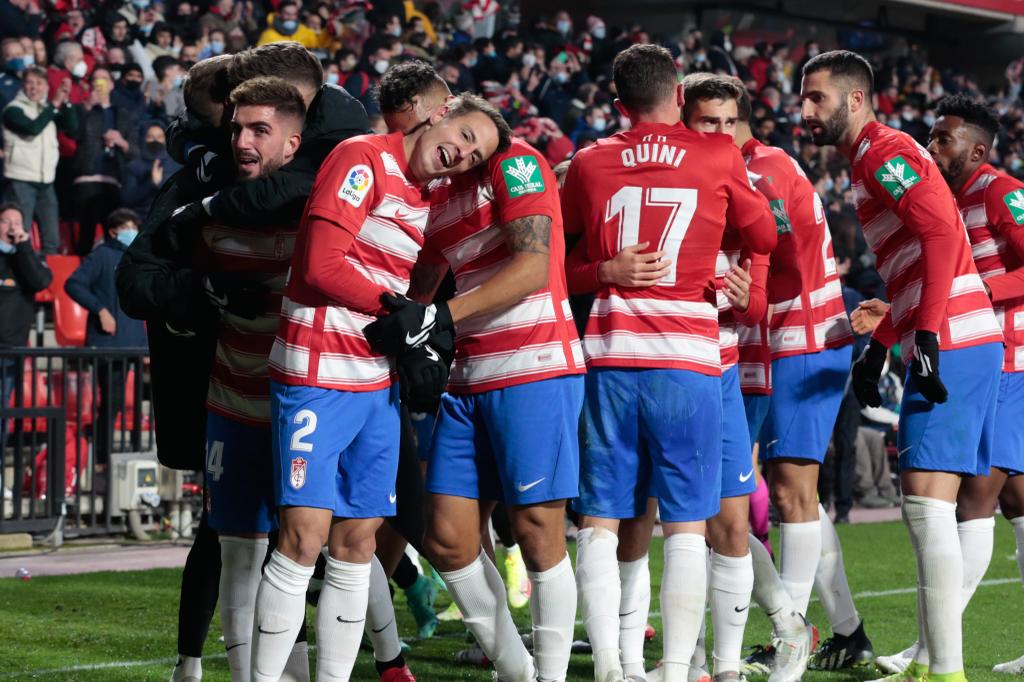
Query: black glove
{"x":409,"y":325}
{"x":212,"y":169}
{"x":237,"y":293}
{"x":179,"y":233}
{"x":422,"y":377}
{"x":866,"y":373}
{"x":925,"y":367}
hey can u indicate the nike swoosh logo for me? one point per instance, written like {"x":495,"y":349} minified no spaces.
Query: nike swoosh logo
{"x":268,"y":632}
{"x":342,"y":620}
{"x":376,"y":630}
{"x":204,"y":172}
{"x":739,"y":610}
{"x":219,"y":301}
{"x":392,"y":497}
{"x":623,"y":615}
{"x":523,"y":488}
{"x":432,"y":354}
{"x":745,"y":478}
{"x":234,"y":646}
{"x":416,"y":340}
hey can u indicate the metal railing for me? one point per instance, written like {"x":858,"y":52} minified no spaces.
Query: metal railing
{"x":64,"y":413}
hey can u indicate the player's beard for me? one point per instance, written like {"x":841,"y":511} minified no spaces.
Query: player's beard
{"x":834,"y":127}
{"x":954,"y":170}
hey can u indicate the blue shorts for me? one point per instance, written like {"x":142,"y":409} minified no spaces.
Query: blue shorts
{"x":806,"y":393}
{"x":336,"y":450}
{"x":239,"y":476}
{"x":1008,"y":451}
{"x":518,"y":445}
{"x":737,"y":459}
{"x":756,"y":407}
{"x":958,"y":435}
{"x":654,"y":432}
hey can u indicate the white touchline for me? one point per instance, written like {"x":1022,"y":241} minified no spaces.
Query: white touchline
{"x":173,"y":659}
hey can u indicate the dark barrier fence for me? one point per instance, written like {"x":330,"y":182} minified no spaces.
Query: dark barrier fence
{"x":67,"y":416}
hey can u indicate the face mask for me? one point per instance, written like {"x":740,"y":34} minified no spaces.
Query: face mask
{"x":561,"y":77}
{"x":348,"y":65}
{"x":908,"y":116}
{"x":564,"y":26}
{"x":15,"y":65}
{"x":472,"y":62}
{"x":28,"y":60}
{"x":333,"y":78}
{"x":895,"y":123}
{"x":178,"y":80}
{"x":599,"y":124}
{"x":795,"y":117}
{"x":79,"y":70}
{"x":217,"y":46}
{"x":529,"y":60}
{"x":146,"y":30}
{"x":132,"y":85}
{"x":140,"y":4}
{"x":699,"y":57}
{"x":289,"y":27}
{"x":1015,"y":164}
{"x":154,"y":147}
{"x":126,"y":237}
{"x":490,"y":53}
{"x":599,"y":32}
{"x":380,"y":66}
{"x":396,"y":31}
{"x":812,"y":52}
{"x":929,"y":121}
{"x":829,"y":184}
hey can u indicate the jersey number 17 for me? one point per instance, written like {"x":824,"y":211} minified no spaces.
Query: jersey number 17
{"x":627,"y":205}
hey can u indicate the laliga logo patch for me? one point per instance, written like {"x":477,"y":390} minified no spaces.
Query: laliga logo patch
{"x":356,"y":185}
{"x":298,"y":477}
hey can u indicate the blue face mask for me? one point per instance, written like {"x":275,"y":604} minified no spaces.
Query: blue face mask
{"x":126,"y":237}
{"x":6,"y":247}
{"x":217,"y":46}
{"x":290,"y":26}
{"x":332,"y":78}
{"x":15,"y":65}
{"x":178,"y":80}
{"x":140,"y":4}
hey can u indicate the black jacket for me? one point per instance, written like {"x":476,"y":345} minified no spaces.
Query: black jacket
{"x":90,"y":139}
{"x":22,"y":275}
{"x":92,"y":287}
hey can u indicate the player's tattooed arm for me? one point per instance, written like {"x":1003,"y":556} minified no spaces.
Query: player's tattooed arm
{"x":531,"y":234}
{"x":424,"y":280}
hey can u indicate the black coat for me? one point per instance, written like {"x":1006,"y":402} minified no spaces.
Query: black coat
{"x":90,"y":139}
{"x":22,"y":275}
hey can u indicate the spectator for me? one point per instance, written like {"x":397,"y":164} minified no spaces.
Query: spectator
{"x":92,"y":287}
{"x":144,"y":175}
{"x":31,"y":151}
{"x":593,"y":124}
{"x":69,"y":65}
{"x":874,"y":487}
{"x":14,"y":63}
{"x":224,"y":16}
{"x":161,"y":43}
{"x":20,"y":18}
{"x":363,"y":81}
{"x":166,"y":99}
{"x":127,"y":93}
{"x":284,"y":25}
{"x":108,"y":138}
{"x":555,"y":93}
{"x":216,"y":44}
{"x":22,"y":275}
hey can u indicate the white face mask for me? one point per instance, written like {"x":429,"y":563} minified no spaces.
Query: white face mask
{"x":80,"y":69}
{"x":529,"y":60}
{"x":380,"y":66}
{"x":600,"y":124}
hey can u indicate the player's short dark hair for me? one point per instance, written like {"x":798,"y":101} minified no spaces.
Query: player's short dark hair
{"x":270,"y":91}
{"x":645,"y":76}
{"x":406,"y":80}
{"x":206,"y":86}
{"x":846,"y":65}
{"x":468,"y":103}
{"x":701,"y":86}
{"x":288,"y":60}
{"x":972,"y":112}
{"x":119,"y":217}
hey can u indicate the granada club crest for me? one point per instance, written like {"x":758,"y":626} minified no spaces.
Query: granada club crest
{"x":298,"y":477}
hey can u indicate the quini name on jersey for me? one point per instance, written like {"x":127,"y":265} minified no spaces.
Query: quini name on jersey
{"x":653,"y":152}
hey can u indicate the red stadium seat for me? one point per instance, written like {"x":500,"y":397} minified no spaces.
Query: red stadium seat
{"x":69,"y":318}
{"x":76,"y":458}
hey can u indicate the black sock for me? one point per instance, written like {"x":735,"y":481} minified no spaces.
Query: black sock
{"x":200,"y":584}
{"x":393,"y":663}
{"x":405,"y":574}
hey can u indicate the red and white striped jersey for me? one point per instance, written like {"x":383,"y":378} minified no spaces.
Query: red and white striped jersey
{"x":992,"y":205}
{"x":364,"y":188}
{"x":912,"y":224}
{"x":536,"y":338}
{"x":815,"y":318}
{"x":676,"y":189}
{"x":733,"y":252}
{"x":240,"y":380}
{"x":755,"y":359}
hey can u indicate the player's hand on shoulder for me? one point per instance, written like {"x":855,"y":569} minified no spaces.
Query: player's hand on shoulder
{"x":631,"y":267}
{"x":409,"y":324}
{"x":868,"y":315}
{"x":866,"y":372}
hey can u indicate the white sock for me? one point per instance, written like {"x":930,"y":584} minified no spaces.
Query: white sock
{"x":932,"y":525}
{"x":380,"y":616}
{"x":684,"y":587}
{"x":769,"y":592}
{"x":800,"y":549}
{"x":976,"y":539}
{"x":553,"y":610}
{"x":1018,"y":530}
{"x":187,"y":666}
{"x":634,"y":607}
{"x":297,"y":668}
{"x":340,"y":618}
{"x":600,"y":595}
{"x":479,"y":592}
{"x":241,"y":565}
{"x":700,"y":653}
{"x":732,"y":579}
{"x":831,"y":583}
{"x":280,"y":606}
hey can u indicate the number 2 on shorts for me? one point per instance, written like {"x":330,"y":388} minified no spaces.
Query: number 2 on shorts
{"x":308,"y":420}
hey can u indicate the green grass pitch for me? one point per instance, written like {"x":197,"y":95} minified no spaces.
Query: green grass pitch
{"x":121,"y":626}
